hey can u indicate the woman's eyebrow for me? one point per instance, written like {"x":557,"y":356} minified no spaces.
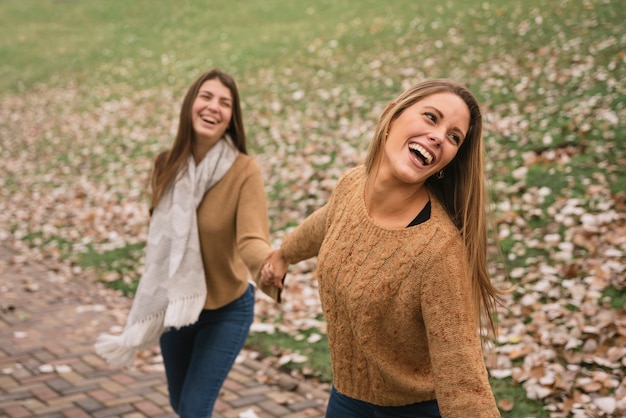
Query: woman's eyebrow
{"x":463,"y":134}
{"x":434,"y":109}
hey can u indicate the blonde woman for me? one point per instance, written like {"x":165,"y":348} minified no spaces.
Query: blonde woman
{"x":402,"y":268}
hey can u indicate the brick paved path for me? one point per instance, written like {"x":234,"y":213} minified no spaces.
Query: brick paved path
{"x":48,"y":368}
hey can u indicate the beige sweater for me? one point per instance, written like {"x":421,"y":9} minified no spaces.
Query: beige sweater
{"x":397,"y":303}
{"x":234,"y":233}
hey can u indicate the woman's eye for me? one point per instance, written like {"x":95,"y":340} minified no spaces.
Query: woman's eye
{"x":431,"y":116}
{"x":455,"y":138}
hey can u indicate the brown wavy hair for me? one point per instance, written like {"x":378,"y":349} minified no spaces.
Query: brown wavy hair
{"x":168,"y":163}
{"x":462,"y":189}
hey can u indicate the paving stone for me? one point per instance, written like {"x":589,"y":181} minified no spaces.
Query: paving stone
{"x":75,"y":413}
{"x":255,"y":390}
{"x":148,"y":408}
{"x":158,"y":398}
{"x":274,"y":409}
{"x":82,"y":368}
{"x":101,"y":395}
{"x":247,"y":400}
{"x":124,"y":400}
{"x":66,"y":400}
{"x":87,"y":386}
{"x":235,"y":413}
{"x":230,"y":384}
{"x":7,"y":382}
{"x":228,"y":395}
{"x":44,"y":393}
{"x":308,"y":404}
{"x":89,"y":404}
{"x":43,"y":356}
{"x":17,"y":411}
{"x":134,"y":415}
{"x":113,"y":412}
{"x":59,"y":384}
{"x":309,"y":413}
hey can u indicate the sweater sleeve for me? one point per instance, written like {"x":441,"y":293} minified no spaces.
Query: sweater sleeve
{"x":305,"y":241}
{"x":252,"y":226}
{"x":459,"y":372}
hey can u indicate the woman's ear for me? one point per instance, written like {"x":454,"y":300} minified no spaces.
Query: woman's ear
{"x":388,"y":108}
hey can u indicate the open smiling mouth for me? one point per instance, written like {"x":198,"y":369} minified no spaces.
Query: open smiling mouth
{"x":421,"y":153}
{"x":210,"y":121}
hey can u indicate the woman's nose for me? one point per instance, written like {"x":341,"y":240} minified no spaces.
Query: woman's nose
{"x":436,"y":136}
{"x":212,"y":105}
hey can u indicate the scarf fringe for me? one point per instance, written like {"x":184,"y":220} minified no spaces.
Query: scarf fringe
{"x":120,"y":350}
{"x":184,"y":311}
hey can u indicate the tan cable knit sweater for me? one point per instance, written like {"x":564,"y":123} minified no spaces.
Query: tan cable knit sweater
{"x":397,"y":303}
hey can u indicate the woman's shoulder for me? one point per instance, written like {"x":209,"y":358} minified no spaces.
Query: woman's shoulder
{"x":246,"y":163}
{"x":446,"y":229}
{"x":349,"y":183}
{"x":352,"y":176}
{"x":245,"y":169}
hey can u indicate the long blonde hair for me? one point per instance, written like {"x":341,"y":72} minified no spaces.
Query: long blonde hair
{"x":462,"y":189}
{"x":168,"y":163}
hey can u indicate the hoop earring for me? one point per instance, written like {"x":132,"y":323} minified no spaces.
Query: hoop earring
{"x":440,"y":175}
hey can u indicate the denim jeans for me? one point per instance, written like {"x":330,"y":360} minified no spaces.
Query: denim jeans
{"x":342,"y":406}
{"x":198,"y":357}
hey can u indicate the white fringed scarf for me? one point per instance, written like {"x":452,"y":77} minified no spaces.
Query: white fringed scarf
{"x":172,"y":289}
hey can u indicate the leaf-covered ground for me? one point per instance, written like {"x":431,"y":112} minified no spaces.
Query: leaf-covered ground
{"x":75,"y":160}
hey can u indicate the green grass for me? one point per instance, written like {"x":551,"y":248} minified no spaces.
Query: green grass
{"x":122,"y":261}
{"x":556,"y":69}
{"x":617,"y":297}
{"x":523,"y":407}
{"x":40,"y":240}
{"x":318,"y":363}
{"x":146,"y":44}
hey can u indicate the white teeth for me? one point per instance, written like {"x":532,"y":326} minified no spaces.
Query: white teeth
{"x":428,"y":157}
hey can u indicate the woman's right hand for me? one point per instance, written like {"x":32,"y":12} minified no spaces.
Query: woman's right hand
{"x":275,"y":269}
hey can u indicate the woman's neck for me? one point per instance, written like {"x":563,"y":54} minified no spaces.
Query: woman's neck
{"x":201,"y":148}
{"x":391,"y":203}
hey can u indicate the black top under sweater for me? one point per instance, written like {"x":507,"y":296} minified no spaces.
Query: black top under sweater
{"x":421,"y":217}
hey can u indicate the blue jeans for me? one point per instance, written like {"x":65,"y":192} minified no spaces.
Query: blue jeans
{"x":342,"y":406}
{"x":198,"y":357}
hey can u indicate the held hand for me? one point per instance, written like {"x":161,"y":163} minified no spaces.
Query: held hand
{"x":274,"y":269}
{"x":267,"y":273}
